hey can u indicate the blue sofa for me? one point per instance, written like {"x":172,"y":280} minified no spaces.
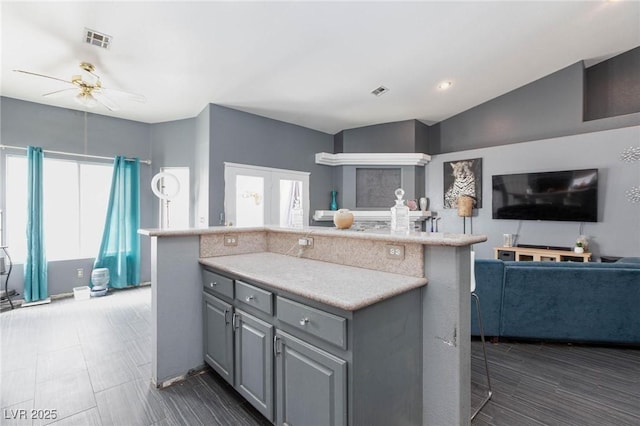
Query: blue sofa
{"x":565,"y":301}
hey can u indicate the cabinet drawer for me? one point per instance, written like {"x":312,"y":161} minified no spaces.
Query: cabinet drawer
{"x":324,"y":325}
{"x":217,"y":283}
{"x":254,"y":296}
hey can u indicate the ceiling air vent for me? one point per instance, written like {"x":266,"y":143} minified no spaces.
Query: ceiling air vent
{"x":97,"y":39}
{"x":379,"y":90}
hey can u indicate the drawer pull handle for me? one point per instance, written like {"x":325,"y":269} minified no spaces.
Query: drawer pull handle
{"x":250,"y":298}
{"x":304,"y":321}
{"x":211,"y":284}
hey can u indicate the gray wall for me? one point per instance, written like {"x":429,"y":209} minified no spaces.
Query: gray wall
{"x":401,"y":136}
{"x":549,"y":107}
{"x":398,"y":136}
{"x":240,"y":137}
{"x":202,"y":170}
{"x":540,"y":127}
{"x":612,"y":87}
{"x":617,"y":232}
{"x":173,"y":144}
{"x":60,"y":129}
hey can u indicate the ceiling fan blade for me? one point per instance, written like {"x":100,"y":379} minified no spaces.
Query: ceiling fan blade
{"x":59,"y":91}
{"x":131,"y":96}
{"x":104,"y":100}
{"x":45,"y":76}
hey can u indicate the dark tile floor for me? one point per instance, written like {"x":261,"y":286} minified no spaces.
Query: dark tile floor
{"x":90,"y":361}
{"x":558,"y":384}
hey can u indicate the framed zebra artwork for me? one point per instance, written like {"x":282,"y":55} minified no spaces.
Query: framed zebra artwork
{"x":462,"y":177}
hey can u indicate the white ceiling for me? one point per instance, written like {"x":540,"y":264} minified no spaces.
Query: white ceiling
{"x":308,"y":63}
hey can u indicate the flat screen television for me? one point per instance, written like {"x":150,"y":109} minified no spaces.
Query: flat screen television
{"x":570,"y":195}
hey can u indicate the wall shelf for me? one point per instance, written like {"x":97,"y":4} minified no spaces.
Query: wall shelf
{"x":370,"y":215}
{"x":372,"y":159}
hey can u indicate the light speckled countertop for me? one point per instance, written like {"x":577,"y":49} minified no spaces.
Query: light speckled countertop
{"x":343,"y":287}
{"x":425,"y":238}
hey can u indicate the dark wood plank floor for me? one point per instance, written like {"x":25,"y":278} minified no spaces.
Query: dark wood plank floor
{"x":90,"y":361}
{"x":558,"y":384}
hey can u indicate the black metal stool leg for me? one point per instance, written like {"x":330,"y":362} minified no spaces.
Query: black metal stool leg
{"x":486,"y":364}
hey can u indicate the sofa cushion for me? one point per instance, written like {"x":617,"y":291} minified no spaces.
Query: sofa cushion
{"x":588,"y":302}
{"x":628,"y":260}
{"x":489,"y":283}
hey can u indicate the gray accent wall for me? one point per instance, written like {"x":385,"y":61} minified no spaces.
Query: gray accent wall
{"x":617,"y":232}
{"x":398,"y":136}
{"x":547,"y":108}
{"x":60,"y":129}
{"x":612,"y":87}
{"x":240,"y":137}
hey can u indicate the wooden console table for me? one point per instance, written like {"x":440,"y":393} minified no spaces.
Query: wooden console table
{"x":527,"y":254}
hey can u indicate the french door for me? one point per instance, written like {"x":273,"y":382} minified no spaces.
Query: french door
{"x":258,"y":196}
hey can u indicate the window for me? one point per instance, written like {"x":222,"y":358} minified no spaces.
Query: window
{"x":257,"y":196}
{"x":75,"y":197}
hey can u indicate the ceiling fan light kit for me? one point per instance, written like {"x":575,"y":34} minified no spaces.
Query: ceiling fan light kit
{"x":86,"y":99}
{"x":91,"y":93}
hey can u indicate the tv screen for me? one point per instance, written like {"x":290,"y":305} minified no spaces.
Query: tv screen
{"x":570,"y":195}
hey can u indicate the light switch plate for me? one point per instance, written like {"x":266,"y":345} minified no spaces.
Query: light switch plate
{"x":230,"y":240}
{"x":394,"y":251}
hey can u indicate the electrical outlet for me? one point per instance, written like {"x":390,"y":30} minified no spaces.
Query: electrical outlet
{"x":230,"y":240}
{"x":394,"y":251}
{"x":80,"y":273}
{"x":305,"y":242}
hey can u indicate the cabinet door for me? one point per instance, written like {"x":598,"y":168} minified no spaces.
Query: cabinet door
{"x":254,"y":361}
{"x":218,"y":336}
{"x":311,"y":384}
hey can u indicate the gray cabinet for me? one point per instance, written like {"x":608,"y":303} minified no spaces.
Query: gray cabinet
{"x":218,"y":336}
{"x":237,"y":345}
{"x":254,"y":361}
{"x":328,"y":327}
{"x":311,"y":384}
{"x":302,"y":362}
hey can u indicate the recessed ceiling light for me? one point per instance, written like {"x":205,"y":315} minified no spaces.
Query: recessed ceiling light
{"x":445,"y":85}
{"x":379,"y":90}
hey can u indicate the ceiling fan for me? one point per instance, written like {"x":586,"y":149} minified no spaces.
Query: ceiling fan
{"x":89,"y":89}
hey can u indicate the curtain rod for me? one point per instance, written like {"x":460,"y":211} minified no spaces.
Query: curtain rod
{"x":72,"y":154}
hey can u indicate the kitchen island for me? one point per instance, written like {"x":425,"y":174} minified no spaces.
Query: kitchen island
{"x":361,"y":267}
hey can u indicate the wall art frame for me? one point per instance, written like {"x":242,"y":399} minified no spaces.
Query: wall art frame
{"x":462,"y":177}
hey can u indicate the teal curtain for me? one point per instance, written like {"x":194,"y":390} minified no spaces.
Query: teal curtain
{"x":35,"y":267}
{"x":120,"y":246}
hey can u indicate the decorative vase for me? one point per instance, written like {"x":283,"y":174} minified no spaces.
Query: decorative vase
{"x":423,"y":204}
{"x":334,"y":201}
{"x":579,"y":249}
{"x":343,"y":219}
